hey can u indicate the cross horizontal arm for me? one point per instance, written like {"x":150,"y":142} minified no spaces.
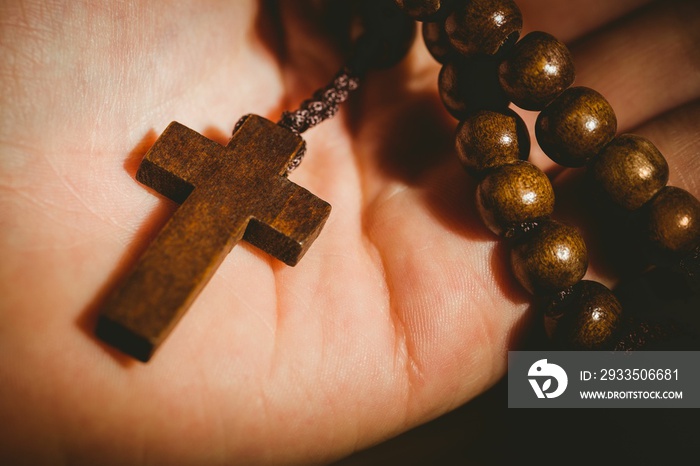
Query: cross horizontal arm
{"x":295,"y":225}
{"x":177,"y":161}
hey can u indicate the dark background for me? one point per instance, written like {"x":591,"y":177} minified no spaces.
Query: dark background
{"x":485,"y":432}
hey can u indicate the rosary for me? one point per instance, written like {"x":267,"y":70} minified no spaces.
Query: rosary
{"x":241,"y":191}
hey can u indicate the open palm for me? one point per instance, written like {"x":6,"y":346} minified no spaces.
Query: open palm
{"x":404,"y":307}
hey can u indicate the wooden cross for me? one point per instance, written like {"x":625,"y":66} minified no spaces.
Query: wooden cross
{"x":227,"y":194}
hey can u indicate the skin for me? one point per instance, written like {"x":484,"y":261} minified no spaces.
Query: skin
{"x":402,"y":310}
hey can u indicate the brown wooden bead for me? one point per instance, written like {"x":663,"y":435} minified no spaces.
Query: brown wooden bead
{"x":512,"y":195}
{"x":423,"y":10}
{"x":482,"y":27}
{"x":470,"y":85}
{"x":630,"y":171}
{"x":436,"y":41}
{"x":672,"y":222}
{"x":453,"y":88}
{"x":576,"y":126}
{"x":586,"y":317}
{"x":549,"y":258}
{"x":490,"y":139}
{"x":538,"y":69}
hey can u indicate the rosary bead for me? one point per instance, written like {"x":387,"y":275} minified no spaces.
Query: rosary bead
{"x":423,"y":10}
{"x":514,"y":194}
{"x":549,"y":258}
{"x":630,"y":171}
{"x":436,"y":41}
{"x":538,"y":69}
{"x":479,"y":27}
{"x":470,"y":85}
{"x":672,"y":223}
{"x":453,"y":87}
{"x":576,"y":126}
{"x":488,"y":139}
{"x":585,"y":318}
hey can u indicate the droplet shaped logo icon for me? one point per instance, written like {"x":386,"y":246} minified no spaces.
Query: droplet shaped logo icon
{"x":546,"y":372}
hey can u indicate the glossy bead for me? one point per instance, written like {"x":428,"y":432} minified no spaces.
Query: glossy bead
{"x":576,"y":126}
{"x":490,"y":139}
{"x":549,"y":258}
{"x":436,"y":41}
{"x":423,"y":10}
{"x":470,"y":85}
{"x":672,"y":222}
{"x":482,"y":27}
{"x":514,"y":194}
{"x":630,"y":171}
{"x":585,"y":318}
{"x":538,"y":69}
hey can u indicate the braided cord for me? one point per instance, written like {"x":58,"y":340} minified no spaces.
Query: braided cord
{"x":323,"y":105}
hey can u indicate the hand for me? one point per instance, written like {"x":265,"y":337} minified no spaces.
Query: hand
{"x":404,"y":307}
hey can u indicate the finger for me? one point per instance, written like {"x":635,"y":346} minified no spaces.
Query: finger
{"x":644,"y":65}
{"x":570,"y":20}
{"x":676,"y":135}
